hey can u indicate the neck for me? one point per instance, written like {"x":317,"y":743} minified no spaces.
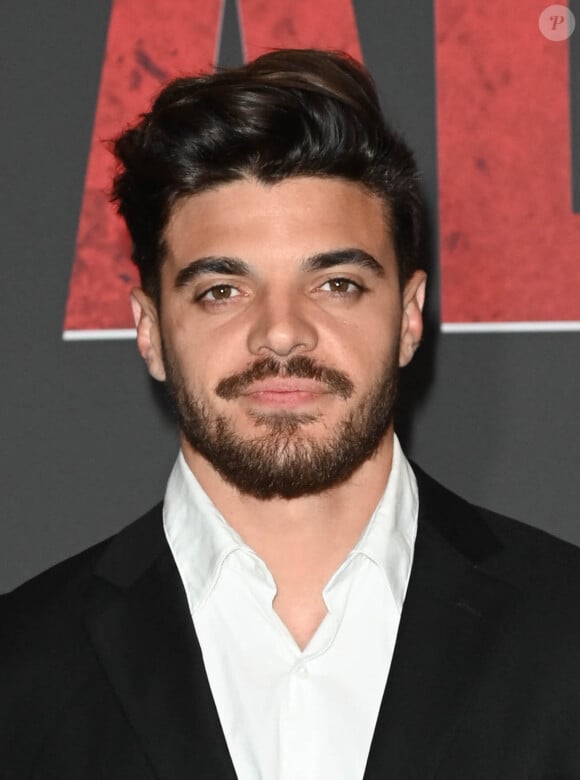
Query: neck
{"x":304,"y":540}
{"x":344,"y":509}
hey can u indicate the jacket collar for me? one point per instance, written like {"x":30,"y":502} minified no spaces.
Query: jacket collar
{"x":450,"y":619}
{"x":140,"y":626}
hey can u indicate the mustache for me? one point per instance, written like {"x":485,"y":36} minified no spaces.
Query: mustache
{"x":299,"y":366}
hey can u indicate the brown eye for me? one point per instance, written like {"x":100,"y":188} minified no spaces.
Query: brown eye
{"x":341,"y":286}
{"x":221,"y":292}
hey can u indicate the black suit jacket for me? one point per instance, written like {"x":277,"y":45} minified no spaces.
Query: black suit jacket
{"x":103,"y":678}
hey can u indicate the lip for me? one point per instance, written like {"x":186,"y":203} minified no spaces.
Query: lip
{"x":286,"y":386}
{"x":285,"y":392}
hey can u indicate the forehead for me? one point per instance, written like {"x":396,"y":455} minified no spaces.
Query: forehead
{"x":287,"y":220}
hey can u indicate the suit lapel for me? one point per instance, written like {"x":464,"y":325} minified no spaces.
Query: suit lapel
{"x":140,"y":626}
{"x":450,"y":618}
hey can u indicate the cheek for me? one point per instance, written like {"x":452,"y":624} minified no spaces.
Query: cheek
{"x":367,"y":338}
{"x":204,"y":362}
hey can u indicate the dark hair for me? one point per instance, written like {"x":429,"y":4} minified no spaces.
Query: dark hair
{"x":293,"y":112}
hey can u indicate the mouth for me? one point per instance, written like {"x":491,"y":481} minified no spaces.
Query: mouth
{"x":297,"y":381}
{"x":285,"y":393}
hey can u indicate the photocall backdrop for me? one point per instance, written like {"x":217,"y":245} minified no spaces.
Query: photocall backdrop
{"x":488,"y":96}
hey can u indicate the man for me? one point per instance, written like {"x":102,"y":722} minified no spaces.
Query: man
{"x":304,"y":604}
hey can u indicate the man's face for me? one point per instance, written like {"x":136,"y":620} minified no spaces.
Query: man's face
{"x":281,"y":330}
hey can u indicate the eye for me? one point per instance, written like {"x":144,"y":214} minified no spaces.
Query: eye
{"x":218,"y":293}
{"x":342,"y":286}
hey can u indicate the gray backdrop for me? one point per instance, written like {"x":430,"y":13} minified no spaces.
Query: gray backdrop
{"x":86,"y":444}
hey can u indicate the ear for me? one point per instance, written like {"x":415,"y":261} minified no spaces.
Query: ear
{"x":412,"y":317}
{"x":148,"y":333}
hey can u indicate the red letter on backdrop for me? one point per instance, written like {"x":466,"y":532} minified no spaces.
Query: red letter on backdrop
{"x":148,"y":44}
{"x":509,"y":241}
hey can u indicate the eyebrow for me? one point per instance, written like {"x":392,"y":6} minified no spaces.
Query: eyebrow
{"x":234,"y":266}
{"x":224,"y":266}
{"x":351,"y":256}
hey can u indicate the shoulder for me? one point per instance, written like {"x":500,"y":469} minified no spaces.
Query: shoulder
{"x":533,"y":561}
{"x":46,"y":656}
{"x":57,"y":597}
{"x":532,"y":547}
{"x":533,"y":581}
{"x":64,"y":583}
{"x":43,"y":642}
{"x":544,"y":568}
{"x":42,"y":620}
{"x":62,"y":587}
{"x":43,"y":635}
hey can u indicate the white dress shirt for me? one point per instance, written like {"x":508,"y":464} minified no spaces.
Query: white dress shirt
{"x":289,"y":714}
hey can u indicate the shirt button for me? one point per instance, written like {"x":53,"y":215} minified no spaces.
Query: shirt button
{"x":301,"y":671}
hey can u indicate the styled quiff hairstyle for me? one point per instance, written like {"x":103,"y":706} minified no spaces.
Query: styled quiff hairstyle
{"x":293,"y":112}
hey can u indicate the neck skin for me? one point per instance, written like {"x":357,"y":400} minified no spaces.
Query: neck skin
{"x":302,"y":541}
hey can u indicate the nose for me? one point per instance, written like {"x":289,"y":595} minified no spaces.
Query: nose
{"x":281,"y":327}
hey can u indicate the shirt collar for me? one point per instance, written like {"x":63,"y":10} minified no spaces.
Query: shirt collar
{"x":198,"y":535}
{"x":200,"y":538}
{"x":389,"y":538}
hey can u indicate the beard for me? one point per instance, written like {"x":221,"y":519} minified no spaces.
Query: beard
{"x":282,"y":461}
